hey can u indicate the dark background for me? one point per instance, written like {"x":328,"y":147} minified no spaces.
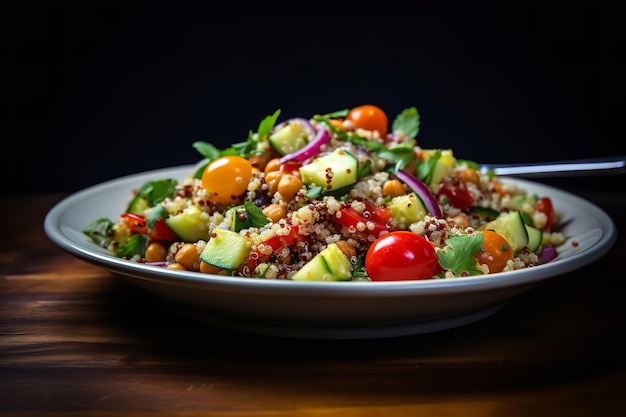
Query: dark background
{"x":93,"y":92}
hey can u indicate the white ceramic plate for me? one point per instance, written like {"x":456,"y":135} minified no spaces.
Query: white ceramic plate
{"x":330,"y":310}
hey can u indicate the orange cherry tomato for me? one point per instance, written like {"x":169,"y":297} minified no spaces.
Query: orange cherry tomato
{"x":369,"y":117}
{"x":227,"y":178}
{"x":495,"y":252}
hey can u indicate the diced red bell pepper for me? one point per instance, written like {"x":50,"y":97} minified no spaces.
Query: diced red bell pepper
{"x":349,"y":217}
{"x":136,"y":222}
{"x":162,"y":233}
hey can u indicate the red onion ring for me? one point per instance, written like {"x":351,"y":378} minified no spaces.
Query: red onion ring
{"x":547,"y":254}
{"x":430,"y":202}
{"x":310,"y":149}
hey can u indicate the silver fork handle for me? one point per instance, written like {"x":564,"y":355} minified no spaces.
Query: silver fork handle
{"x":597,"y":166}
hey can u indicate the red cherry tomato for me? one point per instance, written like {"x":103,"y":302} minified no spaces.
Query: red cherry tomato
{"x":459,"y":197}
{"x":369,"y":117}
{"x":401,"y":255}
{"x":544,"y":205}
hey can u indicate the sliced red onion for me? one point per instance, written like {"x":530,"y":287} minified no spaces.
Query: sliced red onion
{"x":547,"y":254}
{"x":310,"y":130}
{"x":430,"y":202}
{"x":156,"y":263}
{"x":310,"y":149}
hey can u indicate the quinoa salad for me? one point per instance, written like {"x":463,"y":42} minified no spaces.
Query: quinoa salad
{"x":343,"y":196}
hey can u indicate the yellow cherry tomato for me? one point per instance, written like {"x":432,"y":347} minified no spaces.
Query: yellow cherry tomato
{"x":227,"y":178}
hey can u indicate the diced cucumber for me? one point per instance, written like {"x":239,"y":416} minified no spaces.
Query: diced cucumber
{"x":535,"y":237}
{"x":191,"y":225}
{"x":483,"y":213}
{"x":138,"y":205}
{"x":511,"y":226}
{"x":289,"y":137}
{"x":329,"y":265}
{"x":226,"y":249}
{"x":407,"y":209}
{"x":332,"y":171}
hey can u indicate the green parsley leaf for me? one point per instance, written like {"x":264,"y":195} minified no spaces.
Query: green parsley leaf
{"x":426,"y":169}
{"x":408,"y":122}
{"x":267,"y":124}
{"x":156,"y":191}
{"x":134,"y":245}
{"x":157,"y":213}
{"x":207,"y":150}
{"x":458,"y":254}
{"x":401,"y":154}
{"x":100,"y":231}
{"x":255,"y":214}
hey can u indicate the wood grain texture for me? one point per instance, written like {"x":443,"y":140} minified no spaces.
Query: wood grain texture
{"x":76,"y":340}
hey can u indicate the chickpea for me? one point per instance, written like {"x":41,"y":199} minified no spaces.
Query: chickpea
{"x":155,"y":252}
{"x":260,"y":160}
{"x":468,"y":175}
{"x":272,"y":165}
{"x":272,"y":179}
{"x":176,"y":266}
{"x":393,"y":188}
{"x":207,"y":268}
{"x":188,"y":257}
{"x":346,"y":248}
{"x":275,"y":212}
{"x":288,"y":186}
{"x":461,"y":220}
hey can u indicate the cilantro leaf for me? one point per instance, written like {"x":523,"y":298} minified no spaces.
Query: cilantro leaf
{"x":426,"y":169}
{"x":255,"y":214}
{"x":134,"y":245}
{"x":159,"y":212}
{"x":267,"y":124}
{"x":408,"y":122}
{"x":100,"y":231}
{"x":401,"y":154}
{"x":458,"y":254}
{"x":207,"y":150}
{"x":156,"y":191}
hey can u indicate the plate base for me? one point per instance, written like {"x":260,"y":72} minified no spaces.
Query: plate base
{"x":298,"y":331}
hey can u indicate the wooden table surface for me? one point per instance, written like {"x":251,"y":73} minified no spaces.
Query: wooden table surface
{"x":76,"y":340}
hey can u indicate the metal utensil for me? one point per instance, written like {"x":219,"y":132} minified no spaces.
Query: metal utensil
{"x":596,"y":166}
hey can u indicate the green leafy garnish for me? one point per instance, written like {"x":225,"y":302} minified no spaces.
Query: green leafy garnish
{"x":134,"y":245}
{"x":401,"y":154}
{"x":408,"y":122}
{"x":154,"y":192}
{"x":255,"y":214}
{"x":100,"y":231}
{"x":159,"y":212}
{"x":458,"y":254}
{"x":426,"y":169}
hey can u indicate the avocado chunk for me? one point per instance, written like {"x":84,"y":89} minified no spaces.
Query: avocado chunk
{"x":191,"y":225}
{"x":332,"y":171}
{"x":226,"y":249}
{"x":329,"y":265}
